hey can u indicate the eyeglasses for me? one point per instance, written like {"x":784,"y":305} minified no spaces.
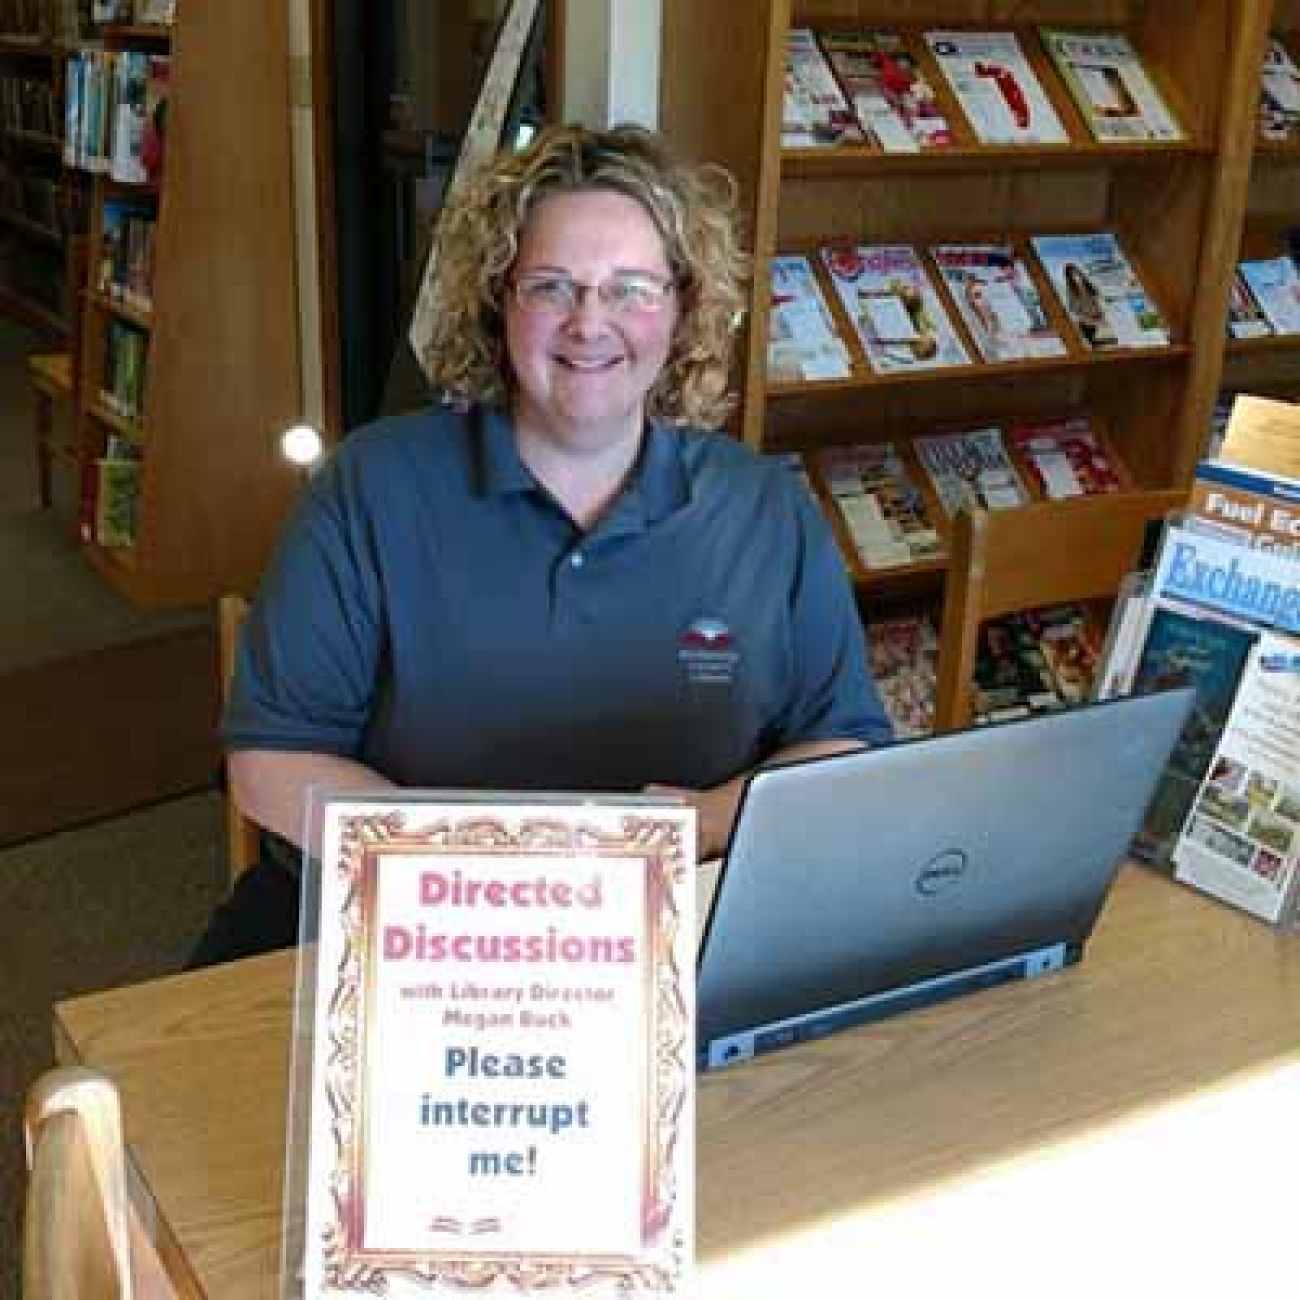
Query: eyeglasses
{"x":626,"y":294}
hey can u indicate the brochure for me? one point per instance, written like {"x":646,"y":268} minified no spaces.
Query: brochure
{"x":1100,"y":291}
{"x":1275,"y":284}
{"x":1064,"y":457}
{"x":815,"y":113}
{"x":997,"y":87}
{"x":1246,"y":320}
{"x":1279,"y":94}
{"x":903,"y":653}
{"x":898,"y":316}
{"x":998,"y":300}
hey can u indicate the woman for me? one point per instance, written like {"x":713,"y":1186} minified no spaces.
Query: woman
{"x":559,"y":582}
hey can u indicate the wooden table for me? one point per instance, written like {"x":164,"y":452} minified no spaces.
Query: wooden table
{"x":1014,"y":1142}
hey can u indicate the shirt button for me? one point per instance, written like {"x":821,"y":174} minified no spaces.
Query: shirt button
{"x":576,"y":559}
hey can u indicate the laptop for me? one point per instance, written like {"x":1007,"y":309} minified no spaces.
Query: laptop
{"x":862,"y":885}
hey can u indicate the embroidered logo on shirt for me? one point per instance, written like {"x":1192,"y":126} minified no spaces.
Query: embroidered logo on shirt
{"x":706,"y":650}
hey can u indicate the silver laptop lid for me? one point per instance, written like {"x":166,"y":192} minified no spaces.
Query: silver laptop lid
{"x":879,"y":870}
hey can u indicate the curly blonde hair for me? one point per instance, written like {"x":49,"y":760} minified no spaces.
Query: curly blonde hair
{"x":694,"y":208}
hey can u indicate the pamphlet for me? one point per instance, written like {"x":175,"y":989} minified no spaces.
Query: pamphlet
{"x":1241,"y":842}
{"x":1279,"y":94}
{"x":1275,"y":284}
{"x":1105,"y":75}
{"x":1100,"y":291}
{"x":997,"y":87}
{"x":898,"y":316}
{"x":1064,"y":457}
{"x":1246,"y":320}
{"x":903,"y":652}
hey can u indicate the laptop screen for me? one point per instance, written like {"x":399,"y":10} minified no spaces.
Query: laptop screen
{"x":922,"y":868}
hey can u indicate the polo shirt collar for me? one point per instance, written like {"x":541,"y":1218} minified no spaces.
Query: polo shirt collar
{"x":659,"y":484}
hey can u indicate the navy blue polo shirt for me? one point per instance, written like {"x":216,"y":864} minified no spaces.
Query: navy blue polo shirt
{"x":432,"y":612}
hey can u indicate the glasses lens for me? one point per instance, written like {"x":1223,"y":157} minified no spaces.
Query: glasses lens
{"x":546,"y":293}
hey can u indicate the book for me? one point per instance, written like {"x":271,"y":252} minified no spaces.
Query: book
{"x":1241,"y":839}
{"x":1274,"y":282}
{"x":802,"y":341}
{"x":971,"y":468}
{"x":1112,"y":88}
{"x":903,"y":653}
{"x":998,"y":300}
{"x":894,"y":308}
{"x":997,"y":87}
{"x":1246,"y":319}
{"x":1263,"y":510}
{"x":1100,"y":291}
{"x":1279,"y":94}
{"x":1186,"y":648}
{"x":1064,"y":457}
{"x":814,"y":111}
{"x":153,"y":147}
{"x":882,"y":509}
{"x":126,"y":162}
{"x":890,"y":94}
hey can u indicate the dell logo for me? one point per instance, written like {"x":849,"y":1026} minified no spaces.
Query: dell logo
{"x":943,"y":871}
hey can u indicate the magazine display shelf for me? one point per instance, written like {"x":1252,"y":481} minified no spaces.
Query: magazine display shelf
{"x":1177,"y":208}
{"x":1270,"y":365}
{"x":221,"y":370}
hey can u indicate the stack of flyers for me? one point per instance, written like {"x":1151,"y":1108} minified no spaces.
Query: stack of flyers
{"x":894,"y":308}
{"x":814,"y":111}
{"x":1064,"y":457}
{"x":1100,"y":291}
{"x":998,"y":301}
{"x":882,"y":509}
{"x":801,"y":340}
{"x":971,"y":469}
{"x":889,"y":92}
{"x":998,"y":88}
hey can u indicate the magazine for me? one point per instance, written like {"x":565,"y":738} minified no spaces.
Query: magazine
{"x":1279,"y":94}
{"x":1069,"y":648}
{"x":894,"y":308}
{"x":802,"y":342}
{"x":997,"y":87}
{"x":1100,"y":291}
{"x":1241,"y":841}
{"x":1184,"y":648}
{"x":903,"y":652}
{"x":998,"y":300}
{"x":815,"y":112}
{"x":1064,"y":457}
{"x":1012,"y":679}
{"x":1111,"y":87}
{"x":882,"y":508}
{"x":1246,"y":320}
{"x":971,"y":468}
{"x":1275,"y":284}
{"x":890,"y":94}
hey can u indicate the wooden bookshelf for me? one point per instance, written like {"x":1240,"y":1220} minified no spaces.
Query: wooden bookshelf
{"x":1178,"y":209}
{"x":221,"y":368}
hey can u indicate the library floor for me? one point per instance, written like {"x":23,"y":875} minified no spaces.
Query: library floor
{"x":102,"y":904}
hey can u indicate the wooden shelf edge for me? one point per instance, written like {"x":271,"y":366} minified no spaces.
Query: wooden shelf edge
{"x":115,"y":307}
{"x":129,"y":429}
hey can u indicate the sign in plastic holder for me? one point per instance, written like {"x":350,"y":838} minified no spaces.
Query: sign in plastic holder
{"x":493,"y":1073}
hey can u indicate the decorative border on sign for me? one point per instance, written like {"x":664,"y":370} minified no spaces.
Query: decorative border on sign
{"x":656,"y":845}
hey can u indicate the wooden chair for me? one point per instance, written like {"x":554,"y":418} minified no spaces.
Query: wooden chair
{"x":241,"y":833}
{"x":1043,"y":554}
{"x":81,"y":1238}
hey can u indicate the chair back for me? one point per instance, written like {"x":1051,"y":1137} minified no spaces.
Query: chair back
{"x":241,"y":833}
{"x":76,"y":1240}
{"x":1041,"y":554}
